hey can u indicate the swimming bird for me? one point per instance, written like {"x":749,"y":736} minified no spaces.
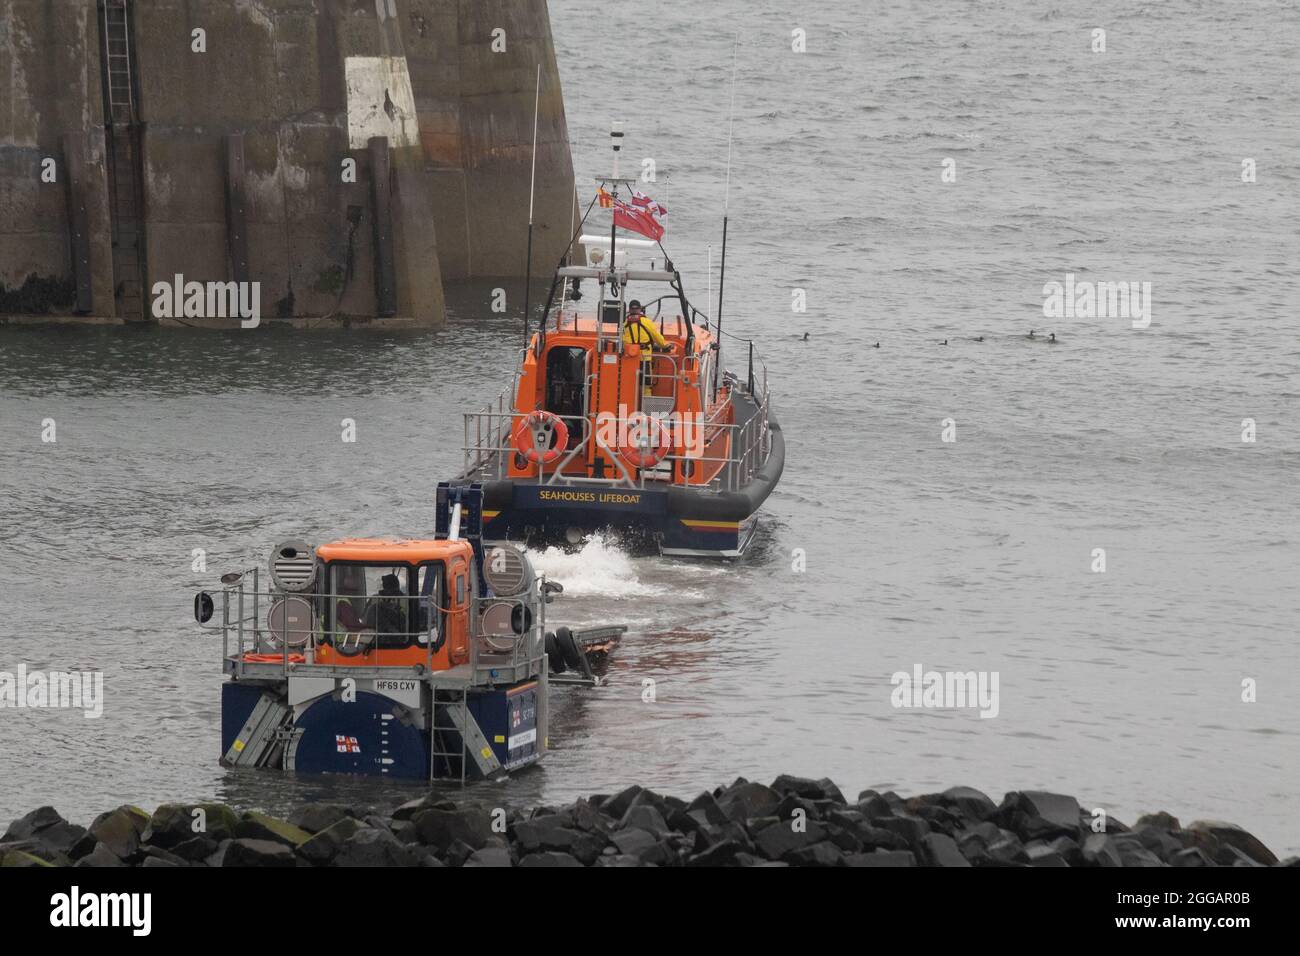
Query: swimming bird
{"x":1031,"y":334}
{"x":805,"y":337}
{"x":1052,"y":337}
{"x":877,"y":345}
{"x":979,"y":338}
{"x":944,"y":342}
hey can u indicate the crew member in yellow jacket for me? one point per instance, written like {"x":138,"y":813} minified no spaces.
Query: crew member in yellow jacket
{"x":640,"y":330}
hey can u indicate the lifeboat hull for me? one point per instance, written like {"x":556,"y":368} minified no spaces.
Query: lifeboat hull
{"x":675,"y":520}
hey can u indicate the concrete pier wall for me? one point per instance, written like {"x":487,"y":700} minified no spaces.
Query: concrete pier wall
{"x":237,"y":140}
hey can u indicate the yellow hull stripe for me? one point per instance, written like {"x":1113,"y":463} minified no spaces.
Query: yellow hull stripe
{"x":489,"y":515}
{"x":713,"y":525}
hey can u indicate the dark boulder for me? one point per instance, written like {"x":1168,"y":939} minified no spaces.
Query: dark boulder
{"x":196,"y":849}
{"x":67,"y":838}
{"x":1008,"y":851}
{"x":1041,"y":853}
{"x":174,"y":823}
{"x":1036,"y":814}
{"x":1101,"y":849}
{"x":321,"y":848}
{"x":780,"y":839}
{"x":1159,"y":841}
{"x":644,"y":845}
{"x":809,"y":789}
{"x":642,"y":816}
{"x":970,"y":803}
{"x":440,"y":828}
{"x":823,"y":853}
{"x":26,"y":827}
{"x":1133,"y":853}
{"x":1165,"y":821}
{"x":939,"y":849}
{"x":911,"y":829}
{"x":315,"y":817}
{"x":371,"y":846}
{"x":791,"y":802}
{"x":490,"y":856}
{"x":871,"y":804}
{"x":744,"y":801}
{"x":549,"y":834}
{"x":617,"y":805}
{"x":725,"y":853}
{"x":705,"y":810}
{"x":121,"y":830}
{"x":157,"y":856}
{"x":100,"y":856}
{"x":245,"y":852}
{"x":1234,"y":836}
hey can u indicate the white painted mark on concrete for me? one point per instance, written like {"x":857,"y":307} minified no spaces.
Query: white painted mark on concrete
{"x":380,"y":101}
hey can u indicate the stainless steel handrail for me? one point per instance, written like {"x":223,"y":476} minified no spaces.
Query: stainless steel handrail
{"x":251,"y":634}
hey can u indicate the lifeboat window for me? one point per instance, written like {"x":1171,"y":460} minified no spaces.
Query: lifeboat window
{"x":566,"y":377}
{"x":460,"y":590}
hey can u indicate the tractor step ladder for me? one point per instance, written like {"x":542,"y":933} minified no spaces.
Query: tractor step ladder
{"x":460,"y":725}
{"x":259,"y":737}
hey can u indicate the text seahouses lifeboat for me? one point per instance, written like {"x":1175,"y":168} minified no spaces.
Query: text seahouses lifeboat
{"x":610,"y":425}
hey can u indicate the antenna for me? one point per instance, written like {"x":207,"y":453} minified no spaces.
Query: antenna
{"x":532,"y":188}
{"x":726,"y":204}
{"x":709,"y":295}
{"x":616,"y":141}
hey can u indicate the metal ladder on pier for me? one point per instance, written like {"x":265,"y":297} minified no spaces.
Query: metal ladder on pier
{"x":125,"y":173}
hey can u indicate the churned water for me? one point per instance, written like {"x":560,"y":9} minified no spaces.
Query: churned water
{"x":1124,"y":687}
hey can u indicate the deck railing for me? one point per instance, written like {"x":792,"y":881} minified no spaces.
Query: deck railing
{"x":246,"y":629}
{"x":488,"y":446}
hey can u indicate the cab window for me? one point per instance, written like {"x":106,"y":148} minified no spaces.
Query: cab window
{"x":371,"y":599}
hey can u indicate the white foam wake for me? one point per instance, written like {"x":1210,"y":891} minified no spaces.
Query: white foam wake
{"x":600,"y":568}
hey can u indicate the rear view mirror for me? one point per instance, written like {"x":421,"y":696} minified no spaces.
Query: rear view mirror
{"x":203,"y":607}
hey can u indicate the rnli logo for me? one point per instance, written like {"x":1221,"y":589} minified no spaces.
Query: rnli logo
{"x":346,"y":745}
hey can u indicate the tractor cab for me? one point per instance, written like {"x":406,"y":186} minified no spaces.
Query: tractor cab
{"x":385,"y":602}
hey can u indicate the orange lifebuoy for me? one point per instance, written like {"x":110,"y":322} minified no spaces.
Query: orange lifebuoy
{"x":639,"y":457}
{"x":533,"y":435}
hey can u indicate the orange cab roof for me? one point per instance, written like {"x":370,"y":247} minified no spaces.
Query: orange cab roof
{"x":402,"y":551}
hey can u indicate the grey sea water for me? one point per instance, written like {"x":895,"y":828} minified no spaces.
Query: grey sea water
{"x":1124,"y":687}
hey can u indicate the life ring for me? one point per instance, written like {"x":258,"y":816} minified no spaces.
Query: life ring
{"x":533,"y":437}
{"x":639,"y":457}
